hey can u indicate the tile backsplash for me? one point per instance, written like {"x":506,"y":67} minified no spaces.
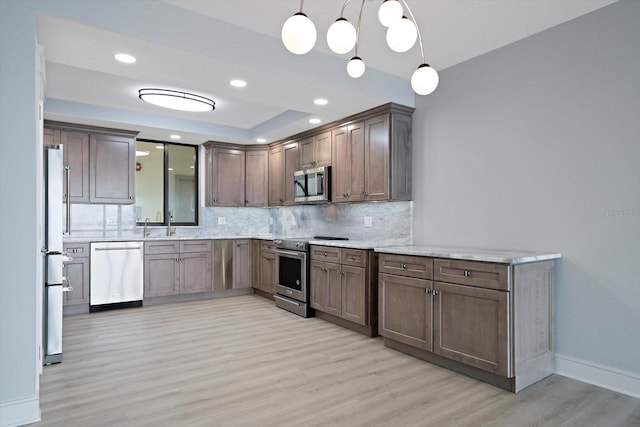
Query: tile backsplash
{"x":384,"y":222}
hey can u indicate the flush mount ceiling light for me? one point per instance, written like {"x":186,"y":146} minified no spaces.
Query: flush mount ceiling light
{"x":314,"y":121}
{"x":175,"y":136}
{"x":320,"y":101}
{"x":261,"y":140}
{"x":299,"y":37}
{"x":176,"y":100}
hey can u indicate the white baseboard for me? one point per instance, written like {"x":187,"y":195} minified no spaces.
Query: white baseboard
{"x":19,"y":412}
{"x":602,"y":376}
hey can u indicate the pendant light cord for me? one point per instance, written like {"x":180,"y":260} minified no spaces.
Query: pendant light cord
{"x":301,"y":5}
{"x":413,"y":18}
{"x":358,"y":29}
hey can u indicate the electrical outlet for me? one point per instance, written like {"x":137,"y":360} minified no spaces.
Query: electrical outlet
{"x":368,"y":221}
{"x":222,"y":220}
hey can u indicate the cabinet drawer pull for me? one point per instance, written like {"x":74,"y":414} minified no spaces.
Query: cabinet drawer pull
{"x":467,"y":273}
{"x":435,"y":292}
{"x":428,"y":291}
{"x":404,"y":266}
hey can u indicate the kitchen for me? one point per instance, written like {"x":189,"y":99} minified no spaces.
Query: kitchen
{"x":515,"y":149}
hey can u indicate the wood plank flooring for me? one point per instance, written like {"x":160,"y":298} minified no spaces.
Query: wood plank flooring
{"x":243,"y":362}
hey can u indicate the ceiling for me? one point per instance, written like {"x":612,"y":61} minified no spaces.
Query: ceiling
{"x":200,"y":45}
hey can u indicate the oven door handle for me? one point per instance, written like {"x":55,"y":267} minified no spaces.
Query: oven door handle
{"x":291,"y":254}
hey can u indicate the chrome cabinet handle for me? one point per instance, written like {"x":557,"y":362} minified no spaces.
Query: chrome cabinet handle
{"x":435,"y":292}
{"x":404,"y":265}
{"x":467,"y":273}
{"x":428,"y":291}
{"x":68,"y":185}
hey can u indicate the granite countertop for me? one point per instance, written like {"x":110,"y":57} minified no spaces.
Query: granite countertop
{"x":140,"y":238}
{"x":353,"y":244}
{"x":471,"y":254}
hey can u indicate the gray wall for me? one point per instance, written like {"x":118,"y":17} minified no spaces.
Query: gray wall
{"x":536,"y":146}
{"x":19,"y":182}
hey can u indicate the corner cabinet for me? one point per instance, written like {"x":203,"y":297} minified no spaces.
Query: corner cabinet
{"x":235,"y":175}
{"x":488,"y":320}
{"x":344,"y":286}
{"x":101,"y":162}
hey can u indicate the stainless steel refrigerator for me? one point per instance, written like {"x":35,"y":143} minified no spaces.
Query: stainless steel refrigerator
{"x":53,"y":278}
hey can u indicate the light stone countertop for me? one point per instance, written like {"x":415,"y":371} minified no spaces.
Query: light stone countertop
{"x":471,"y":254}
{"x":353,"y":244}
{"x":90,"y":239}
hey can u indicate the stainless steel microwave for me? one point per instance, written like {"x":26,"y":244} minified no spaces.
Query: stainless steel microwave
{"x":312,"y":185}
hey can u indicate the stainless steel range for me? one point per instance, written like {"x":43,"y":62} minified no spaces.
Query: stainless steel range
{"x":292,"y":273}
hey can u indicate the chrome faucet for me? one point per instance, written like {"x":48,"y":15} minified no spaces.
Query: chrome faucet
{"x":146,"y":231}
{"x":170,"y":232}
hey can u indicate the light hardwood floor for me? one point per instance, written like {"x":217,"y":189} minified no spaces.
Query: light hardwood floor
{"x":243,"y":362}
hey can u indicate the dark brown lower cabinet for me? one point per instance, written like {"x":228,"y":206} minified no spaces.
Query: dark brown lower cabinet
{"x":177,"y":267}
{"x":494,"y":324}
{"x":345,"y":289}
{"x":76,"y":272}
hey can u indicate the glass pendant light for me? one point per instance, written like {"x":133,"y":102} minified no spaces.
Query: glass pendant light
{"x":390,"y":11}
{"x":341,"y":36}
{"x":356,"y":67}
{"x":298,"y":33}
{"x":424,"y":80}
{"x":402,"y":35}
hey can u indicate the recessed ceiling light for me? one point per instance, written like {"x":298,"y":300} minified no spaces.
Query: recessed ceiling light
{"x":141,"y":153}
{"x":238,"y":83}
{"x":314,"y":121}
{"x":174,"y":136}
{"x":176,"y":100}
{"x":125,"y":58}
{"x":320,"y":101}
{"x":261,"y":140}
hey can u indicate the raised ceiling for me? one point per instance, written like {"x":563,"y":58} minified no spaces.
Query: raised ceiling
{"x":199,"y":46}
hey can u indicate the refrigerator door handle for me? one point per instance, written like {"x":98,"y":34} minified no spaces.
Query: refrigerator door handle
{"x":67,"y":170}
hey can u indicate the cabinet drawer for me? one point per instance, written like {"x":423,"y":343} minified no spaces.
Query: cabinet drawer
{"x":406,"y":265}
{"x":162,"y":247}
{"x":473,"y":273}
{"x":267,"y":245}
{"x":76,"y":250}
{"x":192,"y":246}
{"x":354,"y":257}
{"x":326,"y":253}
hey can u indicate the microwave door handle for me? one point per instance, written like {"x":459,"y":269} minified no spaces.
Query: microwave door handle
{"x":304,"y":190}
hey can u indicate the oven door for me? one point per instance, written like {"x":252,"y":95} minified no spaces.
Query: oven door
{"x":291,"y":272}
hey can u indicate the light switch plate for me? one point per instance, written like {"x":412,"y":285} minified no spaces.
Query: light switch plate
{"x":222,"y":220}
{"x":368,"y":221}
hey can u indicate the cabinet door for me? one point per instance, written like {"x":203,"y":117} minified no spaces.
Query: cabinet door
{"x":405,"y":310}
{"x":228,"y":177}
{"x":348,"y":161}
{"x":77,"y":274}
{"x":334,"y":290}
{"x":376,"y":142}
{"x":267,"y":272}
{"x":471,"y":326}
{"x":208,"y":178}
{"x":242,"y":258}
{"x":112,"y":169}
{"x":195,"y":272}
{"x":307,"y":149}
{"x":161,"y":275}
{"x":322,"y":143}
{"x":75,"y":154}
{"x":354,"y":294}
{"x":257,"y":178}
{"x":276,"y":176}
{"x":291,"y":164}
{"x":319,"y":278}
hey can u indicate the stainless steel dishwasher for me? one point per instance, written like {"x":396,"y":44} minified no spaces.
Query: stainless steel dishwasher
{"x":116,"y":275}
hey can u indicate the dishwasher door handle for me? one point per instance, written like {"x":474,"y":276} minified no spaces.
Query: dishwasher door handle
{"x":117,"y":248}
